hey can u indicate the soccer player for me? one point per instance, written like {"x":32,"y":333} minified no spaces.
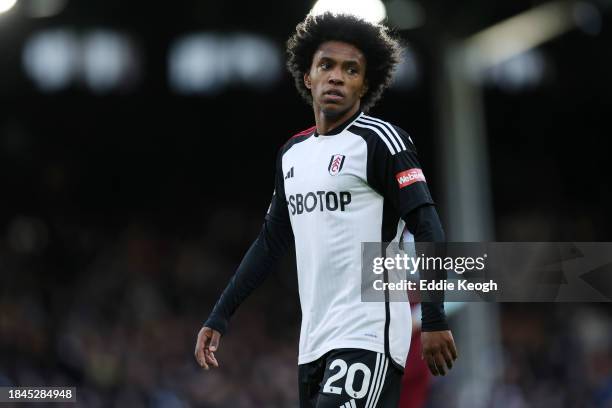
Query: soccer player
{"x":349,"y":179}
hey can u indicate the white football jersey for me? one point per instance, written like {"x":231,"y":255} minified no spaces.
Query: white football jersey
{"x":339,"y":190}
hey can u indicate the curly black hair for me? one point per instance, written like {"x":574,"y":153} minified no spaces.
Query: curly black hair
{"x":381,"y":50}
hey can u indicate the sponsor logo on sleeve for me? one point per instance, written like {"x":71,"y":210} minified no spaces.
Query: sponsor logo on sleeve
{"x":408,"y":177}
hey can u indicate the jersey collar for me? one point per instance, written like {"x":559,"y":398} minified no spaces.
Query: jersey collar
{"x":342,"y":126}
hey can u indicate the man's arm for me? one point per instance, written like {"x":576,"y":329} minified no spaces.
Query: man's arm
{"x":437,"y":341}
{"x":397,"y":175}
{"x":272,"y":243}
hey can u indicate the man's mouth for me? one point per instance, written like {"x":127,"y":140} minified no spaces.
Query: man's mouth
{"x":333,"y":94}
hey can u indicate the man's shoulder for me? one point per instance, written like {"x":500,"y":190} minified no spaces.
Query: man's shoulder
{"x":378,"y":132}
{"x":298,"y":137}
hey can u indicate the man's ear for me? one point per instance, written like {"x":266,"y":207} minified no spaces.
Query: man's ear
{"x":307,"y":80}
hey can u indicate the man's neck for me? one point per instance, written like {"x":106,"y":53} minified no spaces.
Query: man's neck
{"x":325,"y":123}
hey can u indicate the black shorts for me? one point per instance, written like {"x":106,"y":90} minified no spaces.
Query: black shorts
{"x":350,"y":378}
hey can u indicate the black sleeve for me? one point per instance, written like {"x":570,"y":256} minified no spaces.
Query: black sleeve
{"x":394,"y":171}
{"x":275,"y":238}
{"x":424,"y":224}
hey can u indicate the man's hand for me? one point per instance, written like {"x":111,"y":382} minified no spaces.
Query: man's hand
{"x":207,"y":344}
{"x":439,"y":351}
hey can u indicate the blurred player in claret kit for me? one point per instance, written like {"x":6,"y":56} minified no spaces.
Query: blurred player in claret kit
{"x":349,"y":179}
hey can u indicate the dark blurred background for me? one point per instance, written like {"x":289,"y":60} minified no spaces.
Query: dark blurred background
{"x":137,"y":146}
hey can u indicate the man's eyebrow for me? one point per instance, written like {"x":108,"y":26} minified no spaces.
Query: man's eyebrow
{"x":348,"y":61}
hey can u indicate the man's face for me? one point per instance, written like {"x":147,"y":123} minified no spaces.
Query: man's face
{"x":336,"y":78}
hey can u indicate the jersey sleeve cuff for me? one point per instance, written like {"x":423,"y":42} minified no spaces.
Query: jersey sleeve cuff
{"x":217,"y":323}
{"x":433,"y":317}
{"x":434,"y":326}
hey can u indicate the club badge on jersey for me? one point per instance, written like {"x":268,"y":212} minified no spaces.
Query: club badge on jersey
{"x":335,"y":164}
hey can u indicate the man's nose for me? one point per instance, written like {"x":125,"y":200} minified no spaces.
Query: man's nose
{"x":335,"y":76}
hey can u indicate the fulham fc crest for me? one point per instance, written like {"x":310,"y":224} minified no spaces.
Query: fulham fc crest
{"x":335,"y":164}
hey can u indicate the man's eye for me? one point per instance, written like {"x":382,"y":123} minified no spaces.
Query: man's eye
{"x":353,"y":71}
{"x":325,"y":65}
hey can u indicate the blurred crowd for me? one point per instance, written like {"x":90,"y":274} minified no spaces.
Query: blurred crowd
{"x":116,"y":315}
{"x":556,"y":355}
{"x":553,"y":355}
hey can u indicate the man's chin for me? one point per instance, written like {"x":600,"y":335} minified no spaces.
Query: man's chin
{"x":333,"y":111}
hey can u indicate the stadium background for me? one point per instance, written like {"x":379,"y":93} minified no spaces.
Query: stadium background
{"x":137,"y":145}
